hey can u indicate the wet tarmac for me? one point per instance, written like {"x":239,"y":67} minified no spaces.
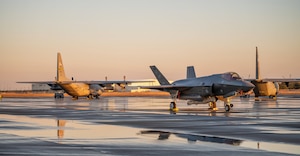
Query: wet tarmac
{"x":144,"y":126}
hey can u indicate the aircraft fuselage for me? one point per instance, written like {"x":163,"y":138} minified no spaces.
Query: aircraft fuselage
{"x":76,"y":89}
{"x":265,"y":88}
{"x":215,"y":85}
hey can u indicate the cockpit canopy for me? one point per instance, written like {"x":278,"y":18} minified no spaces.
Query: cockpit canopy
{"x":231,"y":76}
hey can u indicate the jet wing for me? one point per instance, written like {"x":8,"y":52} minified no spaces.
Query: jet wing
{"x":169,"y":87}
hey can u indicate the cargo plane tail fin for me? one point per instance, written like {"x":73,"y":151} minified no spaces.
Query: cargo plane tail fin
{"x":257,"y":70}
{"x":61,"y":76}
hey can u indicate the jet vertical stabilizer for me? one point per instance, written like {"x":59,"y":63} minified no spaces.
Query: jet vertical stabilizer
{"x":190,"y":72}
{"x":159,"y":76}
{"x":61,"y":76}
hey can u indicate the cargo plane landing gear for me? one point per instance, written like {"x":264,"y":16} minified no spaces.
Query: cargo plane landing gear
{"x":58,"y":95}
{"x":90,"y":97}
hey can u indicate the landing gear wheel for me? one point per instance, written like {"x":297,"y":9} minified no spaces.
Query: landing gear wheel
{"x":90,"y":96}
{"x":227,"y":108}
{"x":210,"y":105}
{"x":231,"y":105}
{"x":272,"y":97}
{"x":59,"y":95}
{"x":173,"y":107}
{"x":213,"y":106}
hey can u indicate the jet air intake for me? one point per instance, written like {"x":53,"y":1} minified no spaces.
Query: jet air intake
{"x":217,"y":89}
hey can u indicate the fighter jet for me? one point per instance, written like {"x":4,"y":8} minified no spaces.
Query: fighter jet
{"x":268,"y":86}
{"x":90,"y":89}
{"x":202,"y":90}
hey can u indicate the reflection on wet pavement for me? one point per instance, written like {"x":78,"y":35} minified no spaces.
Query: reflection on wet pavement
{"x":76,"y":132}
{"x":146,"y":123}
{"x":162,"y":135}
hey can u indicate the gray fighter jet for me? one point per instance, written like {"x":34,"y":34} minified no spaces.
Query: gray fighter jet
{"x":202,"y":90}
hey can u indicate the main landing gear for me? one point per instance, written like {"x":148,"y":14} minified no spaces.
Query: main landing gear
{"x":227,"y":105}
{"x":213,"y":106}
{"x":58,"y":95}
{"x":173,"y":106}
{"x":90,"y":97}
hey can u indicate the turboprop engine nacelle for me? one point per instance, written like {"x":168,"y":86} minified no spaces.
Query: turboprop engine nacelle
{"x":95,"y":89}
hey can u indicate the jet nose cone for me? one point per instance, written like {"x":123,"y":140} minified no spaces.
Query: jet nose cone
{"x":247,"y":86}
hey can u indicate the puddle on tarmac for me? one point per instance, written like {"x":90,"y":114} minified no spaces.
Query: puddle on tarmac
{"x":273,"y":147}
{"x":75,"y":132}
{"x":163,"y":135}
{"x":64,"y":131}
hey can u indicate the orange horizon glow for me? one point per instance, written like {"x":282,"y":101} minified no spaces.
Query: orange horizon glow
{"x":99,"y":39}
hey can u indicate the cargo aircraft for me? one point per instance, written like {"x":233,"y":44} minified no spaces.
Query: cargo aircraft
{"x":202,"y":90}
{"x":267,"y":86}
{"x":90,"y":89}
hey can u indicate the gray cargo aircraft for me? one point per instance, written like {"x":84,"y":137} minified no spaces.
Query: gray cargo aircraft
{"x":201,"y":90}
{"x":268,"y":86}
{"x":90,"y":89}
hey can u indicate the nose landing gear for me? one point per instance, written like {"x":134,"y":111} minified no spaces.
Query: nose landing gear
{"x":227,"y":105}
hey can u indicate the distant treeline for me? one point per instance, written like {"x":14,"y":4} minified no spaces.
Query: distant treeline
{"x":290,"y":85}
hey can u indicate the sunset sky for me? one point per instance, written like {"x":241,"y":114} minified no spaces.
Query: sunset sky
{"x":112,"y":38}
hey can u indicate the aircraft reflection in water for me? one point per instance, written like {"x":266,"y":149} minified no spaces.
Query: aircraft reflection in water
{"x":61,"y":128}
{"x":202,"y":90}
{"x":162,"y":135}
